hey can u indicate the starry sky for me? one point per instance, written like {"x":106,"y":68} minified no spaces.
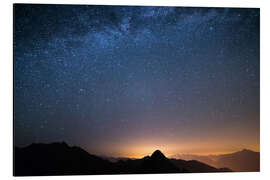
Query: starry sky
{"x":126,"y":80}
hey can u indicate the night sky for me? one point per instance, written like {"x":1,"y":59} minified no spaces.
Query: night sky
{"x":126,"y":80}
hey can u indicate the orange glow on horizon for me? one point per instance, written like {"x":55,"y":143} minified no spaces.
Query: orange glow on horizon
{"x":143,"y":143}
{"x":207,"y":148}
{"x":141,"y":154}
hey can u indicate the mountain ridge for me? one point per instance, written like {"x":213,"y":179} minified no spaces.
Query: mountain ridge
{"x":39,"y":159}
{"x":244,"y":160}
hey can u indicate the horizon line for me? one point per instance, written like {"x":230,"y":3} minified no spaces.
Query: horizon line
{"x":139,"y":157}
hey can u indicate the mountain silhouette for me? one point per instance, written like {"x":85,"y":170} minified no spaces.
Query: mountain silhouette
{"x":241,"y":161}
{"x":158,"y":163}
{"x":158,"y":155}
{"x":57,"y":159}
{"x":245,"y":160}
{"x":61,"y":159}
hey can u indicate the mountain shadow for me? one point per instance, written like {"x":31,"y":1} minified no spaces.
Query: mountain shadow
{"x":240,"y":161}
{"x":197,"y":167}
{"x":60,"y":159}
{"x":244,"y":161}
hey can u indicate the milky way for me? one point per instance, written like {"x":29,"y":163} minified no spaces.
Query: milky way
{"x":122,"y":80}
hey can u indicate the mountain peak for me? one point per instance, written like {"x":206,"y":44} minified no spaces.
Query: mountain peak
{"x":158,"y":155}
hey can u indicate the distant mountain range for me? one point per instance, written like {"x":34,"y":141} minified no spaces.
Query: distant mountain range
{"x":241,"y":161}
{"x":61,"y":159}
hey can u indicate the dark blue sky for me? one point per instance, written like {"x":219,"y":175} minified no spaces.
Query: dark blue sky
{"x":122,"y":81}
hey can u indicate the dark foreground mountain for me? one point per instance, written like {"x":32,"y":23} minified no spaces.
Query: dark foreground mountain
{"x":241,"y":161}
{"x":57,"y":159}
{"x":61,"y":159}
